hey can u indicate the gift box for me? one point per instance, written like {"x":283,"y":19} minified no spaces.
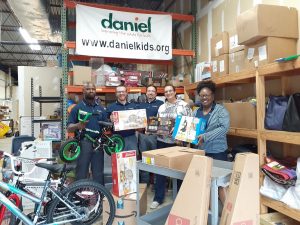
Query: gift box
{"x":124,"y":172}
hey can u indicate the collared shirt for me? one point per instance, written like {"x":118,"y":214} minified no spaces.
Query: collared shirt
{"x":151,"y":107}
{"x":99,"y":114}
{"x":118,"y":106}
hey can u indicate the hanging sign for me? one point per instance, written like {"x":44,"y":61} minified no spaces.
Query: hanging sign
{"x":108,"y":33}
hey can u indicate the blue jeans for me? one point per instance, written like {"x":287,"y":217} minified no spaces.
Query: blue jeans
{"x":89,"y":156}
{"x":130,"y":143}
{"x":160,"y":183}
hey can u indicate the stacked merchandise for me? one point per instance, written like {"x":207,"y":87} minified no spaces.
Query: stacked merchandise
{"x":266,"y":35}
{"x":219,"y":54}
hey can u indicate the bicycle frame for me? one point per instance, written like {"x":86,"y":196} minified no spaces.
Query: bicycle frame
{"x":18,"y":213}
{"x":11,"y":197}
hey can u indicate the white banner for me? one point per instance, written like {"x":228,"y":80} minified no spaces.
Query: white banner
{"x":107,"y":33}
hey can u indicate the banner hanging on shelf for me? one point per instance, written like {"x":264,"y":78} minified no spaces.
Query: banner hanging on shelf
{"x":108,"y":33}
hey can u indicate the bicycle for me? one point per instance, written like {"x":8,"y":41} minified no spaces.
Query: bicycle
{"x":81,"y":202}
{"x":21,"y":182}
{"x":110,"y":143}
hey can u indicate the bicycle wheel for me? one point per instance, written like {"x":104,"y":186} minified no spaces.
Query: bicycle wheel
{"x":69,"y":151}
{"x":115,"y":143}
{"x":87,"y":198}
{"x":9,"y":218}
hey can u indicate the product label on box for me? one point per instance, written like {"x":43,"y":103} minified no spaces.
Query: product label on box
{"x":222,"y":66}
{"x":214,"y":66}
{"x":219,"y":45}
{"x":177,"y":220}
{"x":262,"y":53}
{"x":250,"y":53}
{"x":148,"y":160}
{"x":233,"y":41}
{"x":231,"y":56}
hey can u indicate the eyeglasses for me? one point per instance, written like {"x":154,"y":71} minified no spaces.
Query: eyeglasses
{"x":204,"y":96}
{"x":121,"y":92}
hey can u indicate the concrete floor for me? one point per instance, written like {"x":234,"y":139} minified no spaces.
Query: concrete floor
{"x":5,"y":145}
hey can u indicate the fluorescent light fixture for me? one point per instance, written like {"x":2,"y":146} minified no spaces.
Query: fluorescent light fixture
{"x":30,"y":40}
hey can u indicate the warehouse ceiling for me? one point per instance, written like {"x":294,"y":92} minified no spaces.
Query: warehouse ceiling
{"x":41,"y":18}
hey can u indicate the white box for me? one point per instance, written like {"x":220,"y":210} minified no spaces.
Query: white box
{"x":124,"y":172}
{"x":130,"y":119}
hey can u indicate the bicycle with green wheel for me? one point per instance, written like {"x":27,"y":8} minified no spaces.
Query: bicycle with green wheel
{"x":110,"y":143}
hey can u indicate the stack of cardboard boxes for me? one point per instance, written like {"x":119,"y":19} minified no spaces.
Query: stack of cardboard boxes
{"x":263,"y":34}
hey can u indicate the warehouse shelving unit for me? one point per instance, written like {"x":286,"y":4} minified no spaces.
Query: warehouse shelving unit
{"x":67,"y":44}
{"x":259,"y":76}
{"x":41,"y":100}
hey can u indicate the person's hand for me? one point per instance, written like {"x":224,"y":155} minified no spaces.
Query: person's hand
{"x":81,"y":125}
{"x":200,"y":140}
{"x":112,"y":117}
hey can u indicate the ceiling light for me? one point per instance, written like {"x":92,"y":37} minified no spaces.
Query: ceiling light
{"x":32,"y":41}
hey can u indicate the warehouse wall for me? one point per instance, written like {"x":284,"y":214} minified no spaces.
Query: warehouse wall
{"x":48,"y":78}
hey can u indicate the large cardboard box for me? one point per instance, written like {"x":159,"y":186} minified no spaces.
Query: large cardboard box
{"x":194,"y":194}
{"x":243,"y":192}
{"x":268,"y":49}
{"x":177,"y":157}
{"x":267,"y":21}
{"x":237,"y":62}
{"x":277,"y":218}
{"x":124,"y":172}
{"x":247,"y":119}
{"x":220,"y":65}
{"x":126,"y":207}
{"x":81,"y":74}
{"x":219,"y":44}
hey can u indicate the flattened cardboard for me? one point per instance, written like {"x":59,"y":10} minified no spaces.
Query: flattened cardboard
{"x":243,"y":192}
{"x":192,"y":202}
{"x":126,"y":207}
{"x":267,"y":21}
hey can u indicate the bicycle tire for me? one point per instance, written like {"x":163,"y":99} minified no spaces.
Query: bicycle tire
{"x":80,"y":194}
{"x":115,"y":144}
{"x":69,"y":151}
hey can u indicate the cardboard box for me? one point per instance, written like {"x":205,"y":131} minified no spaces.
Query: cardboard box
{"x":126,"y":207}
{"x":220,"y":65}
{"x":130,"y":119}
{"x":247,"y":119}
{"x":177,"y":157}
{"x":237,"y":62}
{"x":277,"y":218}
{"x":219,"y":44}
{"x":82,"y":74}
{"x":267,"y":21}
{"x":243,"y":192}
{"x":124,"y":172}
{"x":194,"y":194}
{"x":181,"y":80}
{"x":268,"y":49}
{"x":234,"y":42}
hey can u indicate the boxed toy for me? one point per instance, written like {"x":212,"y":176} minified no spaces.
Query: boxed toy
{"x":124,"y":172}
{"x":130,"y":119}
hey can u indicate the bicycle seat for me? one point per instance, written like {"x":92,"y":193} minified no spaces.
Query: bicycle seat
{"x":106,"y":124}
{"x":56,"y":168}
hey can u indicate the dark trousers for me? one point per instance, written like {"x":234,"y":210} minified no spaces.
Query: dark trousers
{"x":146,"y":143}
{"x":160,"y":183}
{"x":89,"y":156}
{"x":218,"y":156}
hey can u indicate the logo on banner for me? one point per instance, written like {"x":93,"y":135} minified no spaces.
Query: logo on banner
{"x":127,"y":26}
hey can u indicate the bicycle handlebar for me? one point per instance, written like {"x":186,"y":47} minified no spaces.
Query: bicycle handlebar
{"x":14,"y":159}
